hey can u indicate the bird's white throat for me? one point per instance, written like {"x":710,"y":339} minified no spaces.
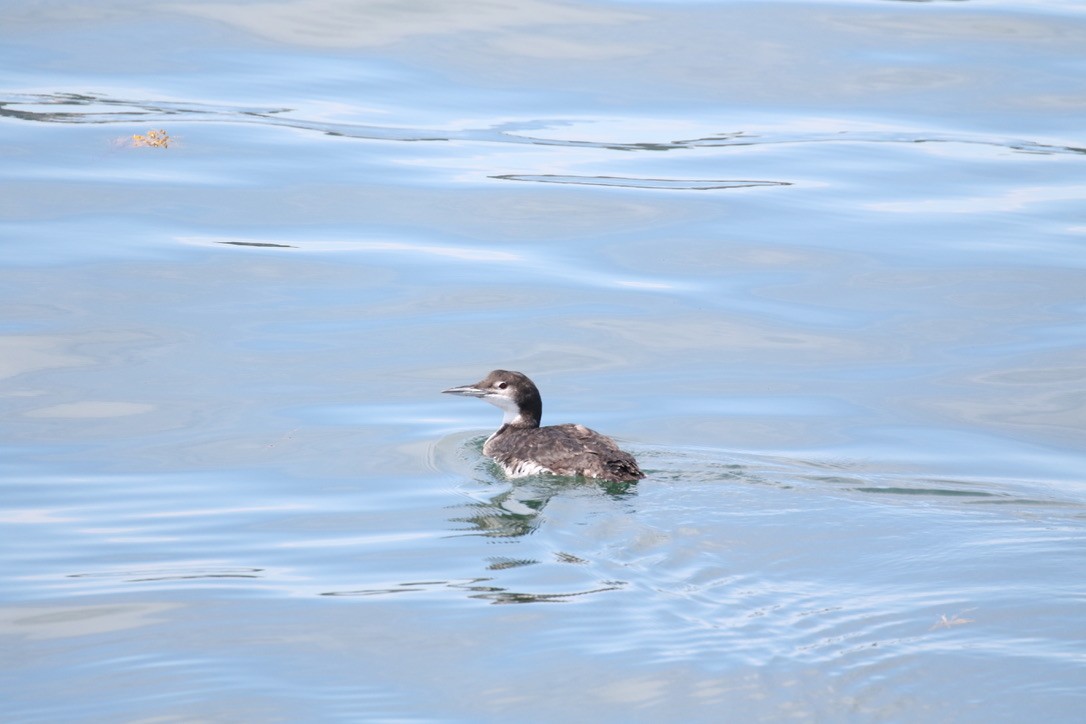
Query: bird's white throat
{"x":508,"y":406}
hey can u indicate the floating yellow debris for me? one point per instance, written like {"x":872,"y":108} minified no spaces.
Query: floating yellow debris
{"x":948,"y":621}
{"x":156,"y":139}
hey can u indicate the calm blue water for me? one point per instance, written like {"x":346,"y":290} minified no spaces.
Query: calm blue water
{"x":819,"y":265}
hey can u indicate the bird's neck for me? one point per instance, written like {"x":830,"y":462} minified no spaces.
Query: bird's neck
{"x":516,"y":417}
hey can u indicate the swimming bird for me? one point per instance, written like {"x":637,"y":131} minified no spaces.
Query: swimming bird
{"x":521,"y":447}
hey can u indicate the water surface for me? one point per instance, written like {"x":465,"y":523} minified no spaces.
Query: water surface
{"x":818,"y":265}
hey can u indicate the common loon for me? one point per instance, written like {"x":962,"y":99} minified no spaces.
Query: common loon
{"x":522,"y":447}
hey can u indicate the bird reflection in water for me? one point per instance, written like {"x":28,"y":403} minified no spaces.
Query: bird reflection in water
{"x":513,"y":512}
{"x":516,"y":510}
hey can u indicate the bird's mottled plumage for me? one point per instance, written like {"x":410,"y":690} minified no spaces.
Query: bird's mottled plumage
{"x":522,"y":447}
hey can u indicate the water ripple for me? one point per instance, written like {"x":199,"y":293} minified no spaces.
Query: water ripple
{"x":641,"y":183}
{"x":83,"y":108}
{"x":479,"y":588}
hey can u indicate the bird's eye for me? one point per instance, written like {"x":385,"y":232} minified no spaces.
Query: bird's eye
{"x":502,"y":385}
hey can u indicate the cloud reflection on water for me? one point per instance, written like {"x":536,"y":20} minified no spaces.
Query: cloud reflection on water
{"x":374,"y":23}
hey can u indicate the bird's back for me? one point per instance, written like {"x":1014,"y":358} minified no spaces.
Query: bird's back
{"x":562,"y":450}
